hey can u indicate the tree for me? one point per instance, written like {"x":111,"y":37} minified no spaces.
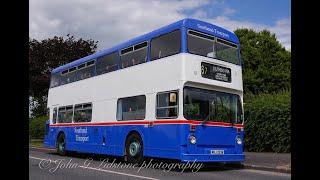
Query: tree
{"x":48,"y":54}
{"x":266,"y":63}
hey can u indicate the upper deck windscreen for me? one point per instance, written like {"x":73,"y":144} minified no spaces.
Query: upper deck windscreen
{"x":209,"y":46}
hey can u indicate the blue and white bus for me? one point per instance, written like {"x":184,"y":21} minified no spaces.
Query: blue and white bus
{"x":173,"y":93}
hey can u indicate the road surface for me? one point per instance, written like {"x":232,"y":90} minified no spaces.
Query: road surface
{"x":48,"y":165}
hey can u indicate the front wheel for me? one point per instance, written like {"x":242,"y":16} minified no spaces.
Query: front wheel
{"x":61,"y":145}
{"x":134,"y":149}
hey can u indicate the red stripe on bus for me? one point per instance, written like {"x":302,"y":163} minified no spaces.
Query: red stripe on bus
{"x":191,"y":122}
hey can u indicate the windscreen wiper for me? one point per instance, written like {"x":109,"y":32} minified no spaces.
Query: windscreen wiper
{"x":206,"y":119}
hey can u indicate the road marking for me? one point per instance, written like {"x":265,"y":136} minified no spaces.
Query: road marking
{"x":125,"y":174}
{"x":41,"y":148}
{"x":103,"y":170}
{"x":32,"y":157}
{"x":267,"y":172}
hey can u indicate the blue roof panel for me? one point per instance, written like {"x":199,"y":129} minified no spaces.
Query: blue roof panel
{"x":189,"y":23}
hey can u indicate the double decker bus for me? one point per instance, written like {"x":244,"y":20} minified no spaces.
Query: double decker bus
{"x":173,"y":93}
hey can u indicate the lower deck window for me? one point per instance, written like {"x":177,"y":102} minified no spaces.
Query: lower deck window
{"x":167,"y":105}
{"x":131,"y":108}
{"x":82,"y":112}
{"x":65,"y":114}
{"x":54,"y":117}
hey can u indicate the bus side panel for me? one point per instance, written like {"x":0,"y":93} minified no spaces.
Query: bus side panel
{"x":164,"y":141}
{"x":50,"y":138}
{"x":121,"y":133}
{"x":97,"y":139}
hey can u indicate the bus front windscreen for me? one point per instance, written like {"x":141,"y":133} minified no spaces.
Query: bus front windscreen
{"x":209,"y":46}
{"x":201,"y":104}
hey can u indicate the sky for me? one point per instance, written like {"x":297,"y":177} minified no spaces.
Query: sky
{"x":114,"y":21}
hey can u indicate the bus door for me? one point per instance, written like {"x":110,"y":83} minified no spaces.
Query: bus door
{"x":164,"y":132}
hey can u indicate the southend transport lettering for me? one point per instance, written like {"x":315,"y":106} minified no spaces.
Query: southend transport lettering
{"x":82,"y":138}
{"x":81,"y":130}
{"x":81,"y":134}
{"x":213,"y":30}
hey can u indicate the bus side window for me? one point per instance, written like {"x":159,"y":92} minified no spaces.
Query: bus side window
{"x":72,"y":74}
{"x":166,"y":45}
{"x":54,"y":81}
{"x":85,"y":71}
{"x":167,"y":105}
{"x":131,"y":108}
{"x":82,"y":112}
{"x":54,"y":117}
{"x":63,"y":77}
{"x":134,"y":55}
{"x":61,"y":114}
{"x":65,"y":114}
{"x":107,"y":63}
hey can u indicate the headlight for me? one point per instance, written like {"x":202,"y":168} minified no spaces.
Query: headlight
{"x":193,"y":139}
{"x":238,"y":140}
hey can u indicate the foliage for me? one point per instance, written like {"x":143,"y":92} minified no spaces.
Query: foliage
{"x":37,"y":127}
{"x":48,"y":54}
{"x":267,"y":122}
{"x":266,"y":63}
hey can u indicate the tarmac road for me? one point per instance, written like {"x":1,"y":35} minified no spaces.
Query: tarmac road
{"x":44,"y":164}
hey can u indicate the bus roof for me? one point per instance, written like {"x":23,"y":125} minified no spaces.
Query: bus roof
{"x":187,"y":22}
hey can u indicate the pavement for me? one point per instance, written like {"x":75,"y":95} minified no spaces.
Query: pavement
{"x":46,"y":164}
{"x":278,"y":162}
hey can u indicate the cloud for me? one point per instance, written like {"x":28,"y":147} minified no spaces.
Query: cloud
{"x":112,"y":22}
{"x":281,"y":28}
{"x":228,"y":11}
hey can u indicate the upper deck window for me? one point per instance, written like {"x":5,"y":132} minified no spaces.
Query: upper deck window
{"x":71,"y":76}
{"x":206,"y":45}
{"x":227,"y":51}
{"x":81,"y":66}
{"x":54,"y":80}
{"x":85,"y":70}
{"x":134,"y":55}
{"x":166,"y":45}
{"x":107,"y":63}
{"x":63,"y":77}
{"x":90,"y":63}
{"x":72,"y":69}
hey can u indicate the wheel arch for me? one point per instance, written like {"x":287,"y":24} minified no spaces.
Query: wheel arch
{"x":58,"y":134}
{"x":130,"y":133}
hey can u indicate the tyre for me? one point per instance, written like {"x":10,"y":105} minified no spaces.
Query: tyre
{"x":134,"y":149}
{"x":61,"y":145}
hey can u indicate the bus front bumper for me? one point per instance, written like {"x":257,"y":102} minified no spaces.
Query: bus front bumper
{"x":212,"y":158}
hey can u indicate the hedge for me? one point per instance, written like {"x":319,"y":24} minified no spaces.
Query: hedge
{"x":37,"y":127}
{"x":267,"y":122}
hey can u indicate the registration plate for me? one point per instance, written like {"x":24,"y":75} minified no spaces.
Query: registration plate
{"x":217,"y":152}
